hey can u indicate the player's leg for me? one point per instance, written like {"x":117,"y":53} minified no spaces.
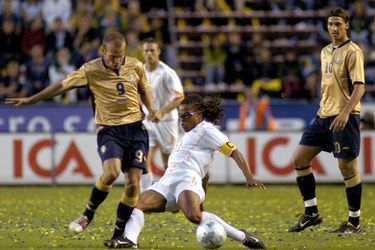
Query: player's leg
{"x":306,"y":183}
{"x":147,"y":179}
{"x":347,"y":150}
{"x":111,"y":154}
{"x":128,"y":200}
{"x":349,"y":172}
{"x":133,"y":166}
{"x":167,"y":136}
{"x":150,"y":201}
{"x":98,"y":194}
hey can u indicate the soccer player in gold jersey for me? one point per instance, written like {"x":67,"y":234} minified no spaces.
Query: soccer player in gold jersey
{"x":117,"y":83}
{"x":336,"y":126}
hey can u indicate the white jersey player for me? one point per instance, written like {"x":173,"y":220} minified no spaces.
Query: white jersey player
{"x":167,"y":94}
{"x":181,"y":184}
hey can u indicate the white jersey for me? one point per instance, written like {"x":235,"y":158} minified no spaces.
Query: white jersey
{"x":165,"y":86}
{"x":195,"y":151}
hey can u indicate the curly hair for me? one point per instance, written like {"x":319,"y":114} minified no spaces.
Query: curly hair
{"x":211,"y":107}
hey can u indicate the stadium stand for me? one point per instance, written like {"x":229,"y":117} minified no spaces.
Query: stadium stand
{"x":283,"y":28}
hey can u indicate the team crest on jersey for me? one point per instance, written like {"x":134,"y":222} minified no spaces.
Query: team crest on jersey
{"x":338,"y":60}
{"x":131,"y":76}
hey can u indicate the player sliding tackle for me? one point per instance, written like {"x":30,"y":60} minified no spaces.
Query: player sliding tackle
{"x":181,"y":185}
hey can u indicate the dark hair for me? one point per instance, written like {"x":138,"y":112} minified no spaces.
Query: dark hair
{"x":340,"y":12}
{"x":211,"y":107}
{"x":116,"y":37}
{"x":151,"y":40}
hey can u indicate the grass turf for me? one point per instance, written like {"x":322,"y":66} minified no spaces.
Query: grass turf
{"x":37,"y":218}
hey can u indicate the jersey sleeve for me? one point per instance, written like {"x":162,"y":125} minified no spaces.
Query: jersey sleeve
{"x":218,"y":141}
{"x":356,"y":67}
{"x":174,"y":83}
{"x":75,"y":79}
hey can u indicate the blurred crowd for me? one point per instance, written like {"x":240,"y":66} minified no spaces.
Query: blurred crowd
{"x":41,"y":41}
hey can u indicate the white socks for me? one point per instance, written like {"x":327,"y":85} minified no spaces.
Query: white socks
{"x":134,"y":225}
{"x":146,"y":181}
{"x":232,"y":232}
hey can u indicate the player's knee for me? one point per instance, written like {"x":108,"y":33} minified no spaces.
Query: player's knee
{"x":299,"y":162}
{"x":110,"y":175}
{"x":131,"y":188}
{"x":194,"y":217}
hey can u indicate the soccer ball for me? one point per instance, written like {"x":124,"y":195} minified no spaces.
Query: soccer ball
{"x":211,"y":234}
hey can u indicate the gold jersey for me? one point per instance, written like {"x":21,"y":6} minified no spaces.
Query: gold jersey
{"x":116,"y":93}
{"x":341,"y":67}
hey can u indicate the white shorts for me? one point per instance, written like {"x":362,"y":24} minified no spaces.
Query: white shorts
{"x":174,"y":182}
{"x":164,"y":134}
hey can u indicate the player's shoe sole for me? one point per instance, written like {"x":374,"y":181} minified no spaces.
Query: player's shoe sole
{"x":346,"y":227}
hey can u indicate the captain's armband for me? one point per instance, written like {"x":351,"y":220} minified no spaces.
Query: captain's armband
{"x":227,"y":148}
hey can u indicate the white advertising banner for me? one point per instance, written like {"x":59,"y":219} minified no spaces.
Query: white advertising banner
{"x":28,"y":159}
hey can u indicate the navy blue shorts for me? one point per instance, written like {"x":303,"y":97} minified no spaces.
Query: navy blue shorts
{"x":127,"y":142}
{"x":344,"y":144}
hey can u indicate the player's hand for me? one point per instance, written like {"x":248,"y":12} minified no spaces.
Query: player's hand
{"x":18,"y":101}
{"x":255,"y":183}
{"x":154,"y":116}
{"x":339,"y":122}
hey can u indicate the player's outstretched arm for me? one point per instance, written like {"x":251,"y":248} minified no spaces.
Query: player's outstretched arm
{"x":242,"y":164}
{"x":49,"y":92}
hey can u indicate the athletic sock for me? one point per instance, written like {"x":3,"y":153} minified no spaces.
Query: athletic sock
{"x":232,"y":232}
{"x":134,"y":225}
{"x":353,"y":195}
{"x":123,"y":214}
{"x":98,"y":195}
{"x":306,"y":186}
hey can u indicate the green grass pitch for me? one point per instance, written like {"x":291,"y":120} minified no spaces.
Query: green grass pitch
{"x":37,"y":218}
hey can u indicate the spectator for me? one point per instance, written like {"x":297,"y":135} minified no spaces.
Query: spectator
{"x":110,"y":20}
{"x":10,"y":11}
{"x":134,"y":18}
{"x":82,"y":10}
{"x":235,"y":60}
{"x":367,"y":121}
{"x":10,"y":42}
{"x":53,"y":9}
{"x":30,"y":9}
{"x":58,"y":71}
{"x":84,"y":32}
{"x":255,"y":113}
{"x":34,"y":35}
{"x":213,"y":60}
{"x":58,"y":37}
{"x":132,"y":45}
{"x":292,"y":80}
{"x":311,"y":74}
{"x":267,"y":76}
{"x":12,"y":84}
{"x":36,"y":71}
